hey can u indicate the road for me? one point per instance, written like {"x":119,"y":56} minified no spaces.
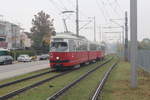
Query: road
{"x":8,"y":71}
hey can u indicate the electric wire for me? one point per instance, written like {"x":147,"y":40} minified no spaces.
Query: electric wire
{"x":55,"y":5}
{"x":64,"y":7}
{"x":117,"y":3}
{"x":101,"y":10}
{"x":112,"y":8}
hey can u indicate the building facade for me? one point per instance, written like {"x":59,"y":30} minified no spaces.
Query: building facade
{"x":26,"y":42}
{"x":9,"y":35}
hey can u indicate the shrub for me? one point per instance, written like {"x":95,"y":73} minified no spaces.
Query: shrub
{"x":16,"y":53}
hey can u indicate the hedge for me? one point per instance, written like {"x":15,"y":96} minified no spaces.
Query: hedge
{"x":16,"y":53}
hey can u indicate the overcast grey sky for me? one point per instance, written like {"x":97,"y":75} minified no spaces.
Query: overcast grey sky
{"x":22,"y":11}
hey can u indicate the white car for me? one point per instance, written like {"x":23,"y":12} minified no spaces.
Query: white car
{"x":24,"y":58}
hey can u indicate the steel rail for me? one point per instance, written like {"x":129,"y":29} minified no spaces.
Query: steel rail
{"x":24,"y":79}
{"x":98,"y":91}
{"x":63,"y":90}
{"x":16,"y":92}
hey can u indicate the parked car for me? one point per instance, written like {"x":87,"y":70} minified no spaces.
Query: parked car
{"x":24,"y":58}
{"x":44,"y":57}
{"x":5,"y":57}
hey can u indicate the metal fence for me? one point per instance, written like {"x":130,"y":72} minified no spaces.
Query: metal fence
{"x":144,"y":59}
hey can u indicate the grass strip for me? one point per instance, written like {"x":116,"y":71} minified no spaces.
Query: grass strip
{"x":84,"y":89}
{"x":20,"y":85}
{"x":118,"y":85}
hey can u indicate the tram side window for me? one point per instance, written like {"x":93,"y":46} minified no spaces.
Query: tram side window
{"x":72,"y":45}
{"x":93,"y":47}
{"x":99,"y":48}
{"x":103,"y":48}
{"x":78,"y":45}
{"x":84,"y":46}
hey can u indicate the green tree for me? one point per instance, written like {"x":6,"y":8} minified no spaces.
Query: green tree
{"x":42,"y":29}
{"x":144,"y":44}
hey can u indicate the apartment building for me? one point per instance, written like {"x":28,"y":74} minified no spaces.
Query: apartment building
{"x":9,"y":35}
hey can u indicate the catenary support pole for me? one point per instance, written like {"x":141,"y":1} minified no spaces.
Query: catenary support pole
{"x":126,"y":36}
{"x":77,"y":17}
{"x":133,"y":26}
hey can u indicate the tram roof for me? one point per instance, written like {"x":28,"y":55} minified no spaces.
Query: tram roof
{"x":68,"y":35}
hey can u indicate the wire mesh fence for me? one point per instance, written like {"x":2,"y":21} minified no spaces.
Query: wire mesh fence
{"x":144,"y":59}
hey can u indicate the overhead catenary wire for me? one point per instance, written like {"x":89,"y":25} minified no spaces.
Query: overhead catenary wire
{"x":101,"y":10}
{"x":105,"y":8}
{"x":70,"y":2}
{"x":117,"y":4}
{"x":112,"y":7}
{"x":55,"y":5}
{"x":60,"y":6}
{"x":64,"y":7}
{"x":85,"y":25}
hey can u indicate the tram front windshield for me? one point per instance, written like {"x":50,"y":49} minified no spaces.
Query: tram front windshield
{"x":59,"y":47}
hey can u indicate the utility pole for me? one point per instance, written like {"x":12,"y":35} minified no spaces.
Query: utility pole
{"x":94,"y":28}
{"x":126,"y":36}
{"x":133,"y":26}
{"x":77,"y":17}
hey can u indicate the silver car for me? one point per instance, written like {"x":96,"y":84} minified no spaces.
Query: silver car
{"x":24,"y":58}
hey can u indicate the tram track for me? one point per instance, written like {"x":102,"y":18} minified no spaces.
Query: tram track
{"x":17,"y":92}
{"x":102,"y":82}
{"x":24,"y":79}
{"x":66,"y":88}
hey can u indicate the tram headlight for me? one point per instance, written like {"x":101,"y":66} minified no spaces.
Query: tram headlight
{"x":57,"y":58}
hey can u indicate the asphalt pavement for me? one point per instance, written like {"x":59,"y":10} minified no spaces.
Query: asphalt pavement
{"x":16,"y":69}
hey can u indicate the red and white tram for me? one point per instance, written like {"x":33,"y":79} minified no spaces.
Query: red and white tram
{"x":68,"y":50}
